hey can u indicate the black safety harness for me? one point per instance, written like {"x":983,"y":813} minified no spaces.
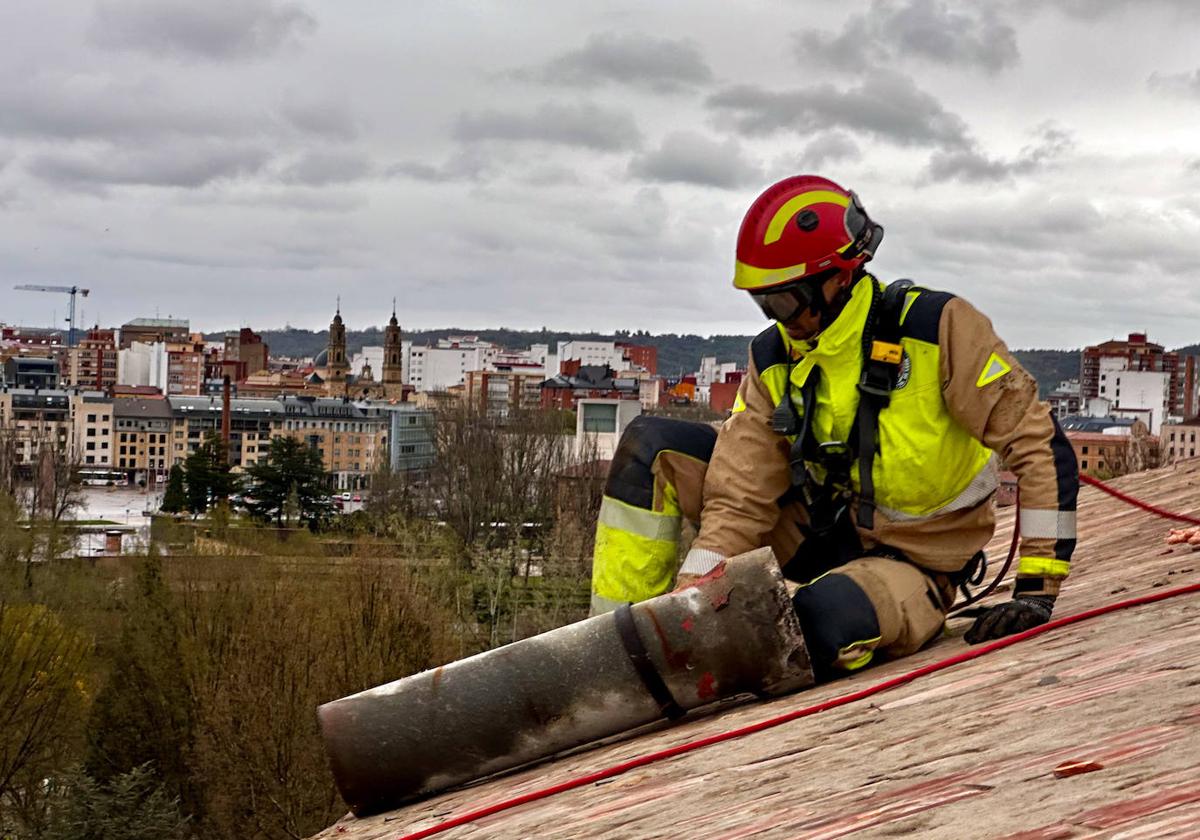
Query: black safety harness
{"x":827,"y":502}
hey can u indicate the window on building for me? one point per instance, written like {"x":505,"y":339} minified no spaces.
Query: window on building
{"x":91,"y":418}
{"x":1085,"y":450}
{"x":599,"y":417}
{"x":1083,"y":465}
{"x":91,"y":445}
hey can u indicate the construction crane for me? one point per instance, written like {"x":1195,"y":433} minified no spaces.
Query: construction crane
{"x":69,"y":290}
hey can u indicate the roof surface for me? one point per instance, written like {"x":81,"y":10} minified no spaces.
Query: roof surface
{"x":966,"y":752}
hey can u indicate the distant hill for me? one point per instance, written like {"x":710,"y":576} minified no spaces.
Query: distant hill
{"x":677,"y":354}
{"x":1049,"y":367}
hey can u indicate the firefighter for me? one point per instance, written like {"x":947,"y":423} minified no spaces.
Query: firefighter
{"x":863,"y":447}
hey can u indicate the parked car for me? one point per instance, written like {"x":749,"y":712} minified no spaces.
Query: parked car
{"x":345,"y":497}
{"x":357,"y":498}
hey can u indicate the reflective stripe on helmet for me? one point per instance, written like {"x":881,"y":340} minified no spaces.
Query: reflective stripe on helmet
{"x":793,"y":206}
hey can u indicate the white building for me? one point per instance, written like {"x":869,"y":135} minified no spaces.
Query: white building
{"x":592,"y":353}
{"x":1144,"y":394}
{"x":371,"y":355}
{"x":143,"y":364}
{"x":599,"y":425}
{"x":447,"y":364}
{"x":711,"y":373}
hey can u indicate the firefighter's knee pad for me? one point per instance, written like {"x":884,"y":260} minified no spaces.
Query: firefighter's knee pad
{"x":631,"y":475}
{"x":840,"y":627}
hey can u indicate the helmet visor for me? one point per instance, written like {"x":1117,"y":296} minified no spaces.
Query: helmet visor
{"x":784,"y":304}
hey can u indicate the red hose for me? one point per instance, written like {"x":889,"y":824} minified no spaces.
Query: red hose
{"x":1117,"y":494}
{"x":842,"y":700}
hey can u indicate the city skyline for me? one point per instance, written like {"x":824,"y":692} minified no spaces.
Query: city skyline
{"x":586,"y":169}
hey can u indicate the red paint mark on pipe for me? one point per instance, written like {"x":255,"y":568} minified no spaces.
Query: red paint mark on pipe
{"x":706,"y":688}
{"x":688,"y":624}
{"x":675,"y":659}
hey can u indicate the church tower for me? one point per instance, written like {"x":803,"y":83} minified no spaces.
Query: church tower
{"x":393,"y":378}
{"x":336,"y":366}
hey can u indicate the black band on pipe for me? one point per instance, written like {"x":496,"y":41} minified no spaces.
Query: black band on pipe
{"x":631,"y":640}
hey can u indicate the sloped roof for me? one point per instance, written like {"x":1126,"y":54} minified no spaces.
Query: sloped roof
{"x":967,"y":752}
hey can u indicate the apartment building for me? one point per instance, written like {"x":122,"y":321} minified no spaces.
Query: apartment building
{"x":1102,"y":364}
{"x":154,"y":331}
{"x":92,"y":430}
{"x":352,"y":438}
{"x":93,"y":363}
{"x":251,"y":422}
{"x":505,"y":391}
{"x":1179,"y":441}
{"x":143,"y":428}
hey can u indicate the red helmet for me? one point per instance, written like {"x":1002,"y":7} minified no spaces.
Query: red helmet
{"x":802,"y":226}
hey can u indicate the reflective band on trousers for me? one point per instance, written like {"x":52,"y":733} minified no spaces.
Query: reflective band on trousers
{"x":1043,"y":567}
{"x":645,"y":523}
{"x":1048,"y":524}
{"x":636,"y":552}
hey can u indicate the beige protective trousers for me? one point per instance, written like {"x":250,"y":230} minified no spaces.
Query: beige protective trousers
{"x":849,"y":611}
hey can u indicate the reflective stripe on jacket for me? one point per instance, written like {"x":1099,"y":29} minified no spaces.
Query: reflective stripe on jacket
{"x":960,"y":396}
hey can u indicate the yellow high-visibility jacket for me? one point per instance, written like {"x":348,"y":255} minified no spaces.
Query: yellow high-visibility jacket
{"x":960,"y":396}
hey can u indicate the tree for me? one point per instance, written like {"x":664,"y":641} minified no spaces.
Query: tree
{"x":292,"y":469}
{"x":42,"y":694}
{"x":131,"y":806}
{"x":175,"y":498}
{"x":145,"y":713}
{"x":207,"y":474}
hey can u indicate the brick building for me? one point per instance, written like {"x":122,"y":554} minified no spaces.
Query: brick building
{"x":1136,"y":354}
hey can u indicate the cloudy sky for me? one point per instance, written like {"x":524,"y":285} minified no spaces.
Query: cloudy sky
{"x":585,"y":166}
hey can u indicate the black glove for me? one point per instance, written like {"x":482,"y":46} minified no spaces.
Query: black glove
{"x":1021,"y":613}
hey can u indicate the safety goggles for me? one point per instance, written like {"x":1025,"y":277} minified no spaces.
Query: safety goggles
{"x":789,"y":302}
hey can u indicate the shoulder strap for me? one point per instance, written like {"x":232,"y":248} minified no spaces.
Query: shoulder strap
{"x":882,"y":356}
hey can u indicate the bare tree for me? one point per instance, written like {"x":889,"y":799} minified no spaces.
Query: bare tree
{"x":42,"y":694}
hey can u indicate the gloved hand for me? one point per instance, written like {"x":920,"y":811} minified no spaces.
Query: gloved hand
{"x":1021,"y":613}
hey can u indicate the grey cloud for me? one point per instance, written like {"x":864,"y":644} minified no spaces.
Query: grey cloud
{"x":1096,"y":9}
{"x":829,"y":147}
{"x":931,"y":30}
{"x":330,"y":118}
{"x":421,"y":172}
{"x":166,"y":166}
{"x":1184,"y":84}
{"x":97,"y":106}
{"x":968,"y":165}
{"x":658,"y":64}
{"x":885,"y":105}
{"x":584,"y":125}
{"x":212,"y":29}
{"x":972,"y":165}
{"x":465,"y":165}
{"x":690,"y":158}
{"x":276,"y":261}
{"x":320,"y":169}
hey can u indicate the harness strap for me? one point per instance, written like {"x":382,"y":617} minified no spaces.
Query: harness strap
{"x":631,"y":640}
{"x":882,"y":358}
